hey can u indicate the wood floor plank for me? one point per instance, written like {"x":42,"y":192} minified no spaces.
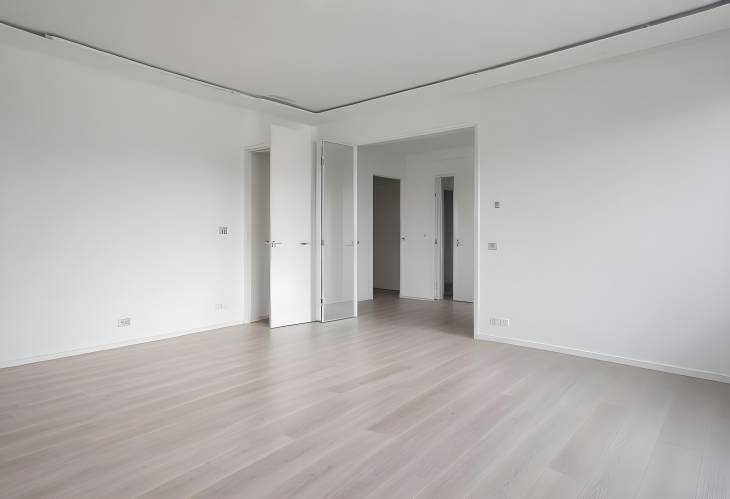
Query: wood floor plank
{"x":400,"y":402}
{"x":672,"y":473}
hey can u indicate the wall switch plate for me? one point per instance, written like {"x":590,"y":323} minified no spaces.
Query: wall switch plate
{"x":492,"y":246}
{"x":124,"y":322}
{"x":497,"y":204}
{"x":223,"y":230}
{"x":498,"y":322}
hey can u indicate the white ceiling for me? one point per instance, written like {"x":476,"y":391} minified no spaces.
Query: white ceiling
{"x":327,"y":53}
{"x":450,"y":139}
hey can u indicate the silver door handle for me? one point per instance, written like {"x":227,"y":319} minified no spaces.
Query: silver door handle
{"x":349,"y":243}
{"x":304,"y":243}
{"x":274,"y":244}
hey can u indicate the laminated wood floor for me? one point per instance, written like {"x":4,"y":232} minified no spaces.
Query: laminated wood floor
{"x":400,"y":402}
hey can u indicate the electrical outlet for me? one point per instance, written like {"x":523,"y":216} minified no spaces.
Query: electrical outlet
{"x":220,"y":306}
{"x":124,"y":322}
{"x":498,"y":322}
{"x":492,"y":246}
{"x":223,"y":230}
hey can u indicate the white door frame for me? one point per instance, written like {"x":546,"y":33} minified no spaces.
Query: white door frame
{"x":247,"y":225}
{"x":477,"y":238}
{"x":438,"y":274}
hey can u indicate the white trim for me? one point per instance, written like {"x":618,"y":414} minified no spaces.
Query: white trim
{"x":476,"y":299}
{"x":355,"y":233}
{"x":317,"y":243}
{"x":617,"y":359}
{"x":422,"y":298}
{"x":110,"y":346}
{"x":438,"y":256}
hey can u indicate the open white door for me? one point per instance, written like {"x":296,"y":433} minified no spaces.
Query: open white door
{"x":338,"y":242}
{"x":463,"y":238}
{"x":291,"y":226}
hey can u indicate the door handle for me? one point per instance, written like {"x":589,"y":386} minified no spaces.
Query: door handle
{"x":349,"y":243}
{"x":274,"y":244}
{"x":304,"y":243}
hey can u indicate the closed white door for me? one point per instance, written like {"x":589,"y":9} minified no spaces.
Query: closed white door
{"x":291,"y":226}
{"x":463,"y":244}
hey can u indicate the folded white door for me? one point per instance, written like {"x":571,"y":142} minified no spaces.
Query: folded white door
{"x":291,"y":226}
{"x":339,"y":244}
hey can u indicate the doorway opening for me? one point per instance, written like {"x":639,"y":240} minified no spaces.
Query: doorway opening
{"x":445,"y":238}
{"x":386,"y":235}
{"x":436,"y":213}
{"x":258,"y":175}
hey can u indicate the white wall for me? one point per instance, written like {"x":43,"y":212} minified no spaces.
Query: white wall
{"x":386,"y":233}
{"x":419,"y":220}
{"x":111,"y":194}
{"x":615,"y":183}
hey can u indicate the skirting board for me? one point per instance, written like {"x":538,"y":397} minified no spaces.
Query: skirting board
{"x":417,"y":298}
{"x":656,"y":366}
{"x":110,"y":346}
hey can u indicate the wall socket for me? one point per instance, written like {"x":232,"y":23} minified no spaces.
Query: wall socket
{"x":220,"y":306}
{"x":498,"y":322}
{"x":223,"y":230}
{"x":492,"y":246}
{"x":124,"y":322}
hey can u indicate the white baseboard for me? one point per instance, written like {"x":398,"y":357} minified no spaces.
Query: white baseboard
{"x":416,"y":298}
{"x":110,"y":346}
{"x":646,"y":364}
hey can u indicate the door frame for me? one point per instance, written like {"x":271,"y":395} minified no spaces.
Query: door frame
{"x":438,"y":274}
{"x":401,"y":236}
{"x":247,"y":249}
{"x":438,"y":249}
{"x":477,"y":198}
